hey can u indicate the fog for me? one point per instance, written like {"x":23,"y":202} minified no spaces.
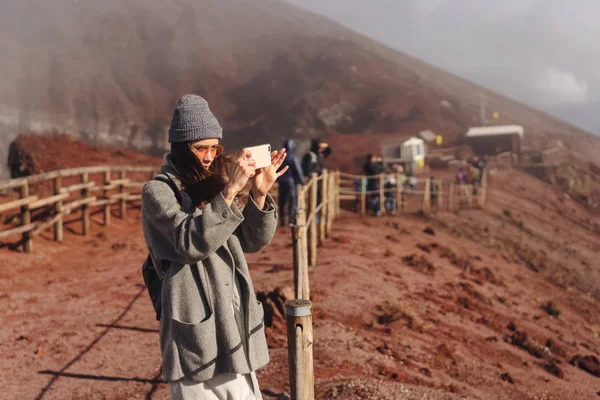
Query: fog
{"x":542,"y":52}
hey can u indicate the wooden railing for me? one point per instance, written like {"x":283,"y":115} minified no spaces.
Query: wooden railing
{"x":318,"y":207}
{"x":450,"y":195}
{"x":40,"y":202}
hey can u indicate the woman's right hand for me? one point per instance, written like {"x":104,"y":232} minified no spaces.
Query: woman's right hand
{"x":243,"y":169}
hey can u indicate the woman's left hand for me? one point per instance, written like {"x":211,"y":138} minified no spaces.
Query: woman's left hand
{"x":265,"y":178}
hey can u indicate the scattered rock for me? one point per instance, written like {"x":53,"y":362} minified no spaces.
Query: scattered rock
{"x":428,"y":230}
{"x":507,"y":378}
{"x":521,"y":340}
{"x":21,"y":338}
{"x":276,"y":268}
{"x":554,"y":369}
{"x":589,"y":364}
{"x":419,"y":262}
{"x":118,"y":246}
{"x":555,"y":348}
{"x":427,"y":248}
{"x":551,"y":309}
{"x":511,"y":326}
{"x":392,"y":238}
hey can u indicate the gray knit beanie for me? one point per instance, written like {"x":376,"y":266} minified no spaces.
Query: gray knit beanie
{"x":193,"y":120}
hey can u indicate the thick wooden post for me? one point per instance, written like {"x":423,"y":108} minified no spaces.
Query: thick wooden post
{"x":301,"y":283}
{"x":107,"y":206}
{"x":451,"y":197}
{"x":312,"y":237}
{"x":300,"y":349}
{"x":440,"y":194}
{"x":381,"y":193}
{"x":330,"y":203}
{"x":26,"y":219}
{"x":58,"y":226}
{"x":122,"y":175}
{"x":324,"y":208}
{"x":297,"y":254}
{"x":85,"y":209}
{"x":363,"y":196}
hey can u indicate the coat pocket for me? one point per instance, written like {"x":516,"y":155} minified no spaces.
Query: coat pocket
{"x":256,"y":318}
{"x":196,"y":343}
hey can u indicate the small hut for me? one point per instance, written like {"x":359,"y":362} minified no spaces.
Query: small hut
{"x":493,"y":140}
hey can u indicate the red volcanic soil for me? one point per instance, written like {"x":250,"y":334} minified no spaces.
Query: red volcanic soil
{"x":33,"y":154}
{"x":472,"y":307}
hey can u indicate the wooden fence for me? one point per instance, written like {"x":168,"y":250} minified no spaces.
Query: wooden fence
{"x":43,"y":201}
{"x":449,"y":196}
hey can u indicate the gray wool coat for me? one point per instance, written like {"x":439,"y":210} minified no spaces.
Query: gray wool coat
{"x":202,"y":250}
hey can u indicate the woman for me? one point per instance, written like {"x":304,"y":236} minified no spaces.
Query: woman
{"x":211,"y":328}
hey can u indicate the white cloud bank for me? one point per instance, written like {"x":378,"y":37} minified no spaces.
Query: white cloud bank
{"x":561,"y":87}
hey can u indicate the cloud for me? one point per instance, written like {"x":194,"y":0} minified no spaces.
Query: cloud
{"x":561,"y":87}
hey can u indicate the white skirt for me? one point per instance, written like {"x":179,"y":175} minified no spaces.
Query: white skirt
{"x":222,"y":386}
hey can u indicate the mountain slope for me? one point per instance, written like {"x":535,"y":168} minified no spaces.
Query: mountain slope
{"x":110,"y":72}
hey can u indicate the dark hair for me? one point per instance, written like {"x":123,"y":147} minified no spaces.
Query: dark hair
{"x":192,"y":173}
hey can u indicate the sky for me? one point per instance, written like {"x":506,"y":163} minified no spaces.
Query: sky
{"x":545,"y":53}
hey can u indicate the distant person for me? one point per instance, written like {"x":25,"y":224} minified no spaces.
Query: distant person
{"x":372,"y":168}
{"x":390,"y":185}
{"x":413,"y":182}
{"x":313,"y":162}
{"x":212,"y":334}
{"x":433,"y":192}
{"x":288,"y":182}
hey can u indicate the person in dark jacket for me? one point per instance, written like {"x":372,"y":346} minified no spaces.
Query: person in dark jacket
{"x":373,"y":166}
{"x":313,"y":162}
{"x":288,"y":182}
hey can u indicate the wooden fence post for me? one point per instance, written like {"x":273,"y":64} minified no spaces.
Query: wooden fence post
{"x":312,"y":237}
{"x":398,"y":193}
{"x":451,"y":197}
{"x":426,"y":196}
{"x":85,"y":209}
{"x":337,"y":194}
{"x":469,"y":195}
{"x":484,"y":188}
{"x":58,"y":226}
{"x":330,"y":203}
{"x":122,"y":175}
{"x":440,"y":195}
{"x":298,"y":253}
{"x":324,"y":208}
{"x":363,"y":196}
{"x":300,"y":349}
{"x":107,"y":206}
{"x":26,"y":219}
{"x":381,"y":193}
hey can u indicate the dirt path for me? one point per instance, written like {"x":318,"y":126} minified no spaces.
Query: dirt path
{"x":398,"y":313}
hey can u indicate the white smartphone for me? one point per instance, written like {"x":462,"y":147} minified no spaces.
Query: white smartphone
{"x":261,"y":154}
